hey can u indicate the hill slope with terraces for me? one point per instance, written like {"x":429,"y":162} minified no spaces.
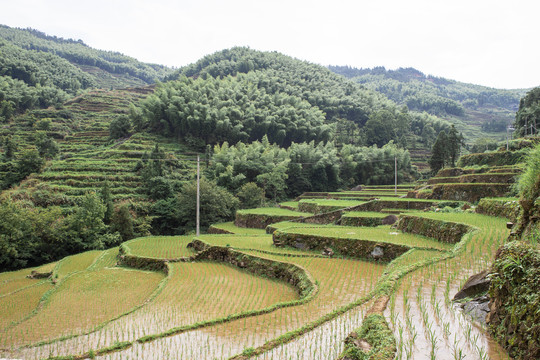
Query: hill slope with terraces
{"x":310,"y":285}
{"x":88,"y":157}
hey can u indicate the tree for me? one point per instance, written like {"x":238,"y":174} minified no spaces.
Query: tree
{"x":15,"y":245}
{"x":273,"y":182}
{"x":379,"y":128}
{"x":166,"y":218}
{"x":47,"y":147}
{"x":528,"y":115}
{"x":122,"y":221}
{"x":216,"y":204}
{"x":84,"y":229}
{"x":106,"y":198}
{"x":250,"y":196}
{"x":9,"y":148}
{"x":439,"y":152}
{"x":29,"y":162}
{"x":455,"y":140}
{"x":428,"y":135}
{"x":120,"y":127}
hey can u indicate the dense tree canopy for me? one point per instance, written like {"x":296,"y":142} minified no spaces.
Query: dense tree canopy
{"x":528,"y":115}
{"x":241,"y":95}
{"x":306,"y":166}
{"x":231,"y":109}
{"x":75,"y":51}
{"x":429,"y":93}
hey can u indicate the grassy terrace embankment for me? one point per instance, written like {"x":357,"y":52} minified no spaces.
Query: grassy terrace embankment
{"x":87,"y":157}
{"x":263,"y":318}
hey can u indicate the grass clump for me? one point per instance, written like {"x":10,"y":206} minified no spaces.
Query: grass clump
{"x":375,"y":332}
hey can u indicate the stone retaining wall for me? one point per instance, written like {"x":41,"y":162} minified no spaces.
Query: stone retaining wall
{"x":360,"y":249}
{"x":443,"y":231}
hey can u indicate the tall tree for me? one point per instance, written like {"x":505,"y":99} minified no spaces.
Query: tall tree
{"x":439,"y":152}
{"x":106,"y":197}
{"x":455,"y":140}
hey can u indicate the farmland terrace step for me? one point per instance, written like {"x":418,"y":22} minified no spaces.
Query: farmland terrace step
{"x":489,"y":177}
{"x":76,"y":175}
{"x":260,"y":218}
{"x":456,"y":171}
{"x":469,"y":192}
{"x":381,"y":244}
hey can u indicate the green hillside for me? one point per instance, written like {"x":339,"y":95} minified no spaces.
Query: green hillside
{"x":477,"y":111}
{"x":308,"y":249}
{"x":88,"y":168}
{"x":107,"y":67}
{"x":37,"y":70}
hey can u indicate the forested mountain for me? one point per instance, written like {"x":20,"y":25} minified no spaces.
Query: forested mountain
{"x":91,"y":167}
{"x":77,"y":52}
{"x":243,"y":94}
{"x":37,"y":70}
{"x":476,"y":110}
{"x":528,"y":116}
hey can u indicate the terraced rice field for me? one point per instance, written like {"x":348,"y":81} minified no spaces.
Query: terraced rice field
{"x":425,"y":321}
{"x":88,"y":158}
{"x":214,"y":310}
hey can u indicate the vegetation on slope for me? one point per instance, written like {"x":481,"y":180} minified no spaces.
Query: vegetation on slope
{"x":77,"y":52}
{"x":528,"y":115}
{"x":319,"y":104}
{"x":37,"y":70}
{"x":477,"y":111}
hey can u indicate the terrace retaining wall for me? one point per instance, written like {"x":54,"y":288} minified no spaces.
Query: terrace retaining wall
{"x":501,"y":208}
{"x":142,"y":262}
{"x":514,"y":319}
{"x":469,"y":192}
{"x":361,"y":221}
{"x":260,"y":221}
{"x":360,"y":249}
{"x":293,"y":274}
{"x":215,"y":230}
{"x":443,"y":231}
{"x":498,"y":158}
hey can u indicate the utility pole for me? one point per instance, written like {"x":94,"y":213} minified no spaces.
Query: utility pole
{"x":508,"y":128}
{"x":395,"y":174}
{"x":198,"y":195}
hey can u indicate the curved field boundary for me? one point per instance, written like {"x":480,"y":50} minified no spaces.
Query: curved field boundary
{"x":46,"y":297}
{"x":161,"y":285}
{"x":372,"y":205}
{"x":443,"y":231}
{"x":24,"y":288}
{"x":374,"y":328}
{"x":291,"y":273}
{"x":386,"y":286}
{"x":358,"y":249}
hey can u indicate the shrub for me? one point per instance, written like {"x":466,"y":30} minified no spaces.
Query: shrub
{"x":250,"y":196}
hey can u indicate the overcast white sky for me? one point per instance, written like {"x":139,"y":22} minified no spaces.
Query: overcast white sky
{"x":493,"y":43}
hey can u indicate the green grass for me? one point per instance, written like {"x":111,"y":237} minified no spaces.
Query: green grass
{"x":273,"y":211}
{"x":163,"y":247}
{"x":476,"y":220}
{"x":293,"y":204}
{"x":364,"y":214}
{"x":251,"y":242}
{"x":382,"y":198}
{"x":230,"y":227}
{"x":377,"y":234}
{"x":332,"y":202}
